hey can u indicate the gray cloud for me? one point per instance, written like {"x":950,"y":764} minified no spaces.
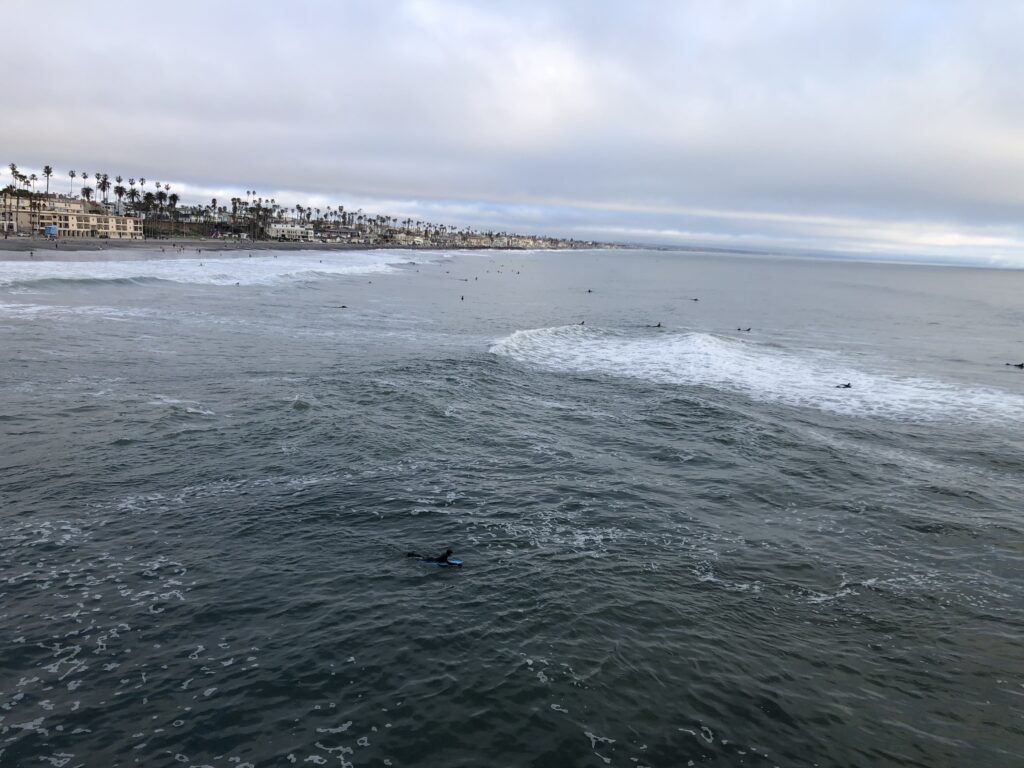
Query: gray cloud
{"x":841,"y":125}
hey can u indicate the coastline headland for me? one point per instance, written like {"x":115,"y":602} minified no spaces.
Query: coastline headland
{"x":46,"y":218}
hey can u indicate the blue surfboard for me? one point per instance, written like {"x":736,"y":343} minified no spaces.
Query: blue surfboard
{"x":453,"y":563}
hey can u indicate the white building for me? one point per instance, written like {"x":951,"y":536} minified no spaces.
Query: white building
{"x":287,"y":231}
{"x":65,"y":216}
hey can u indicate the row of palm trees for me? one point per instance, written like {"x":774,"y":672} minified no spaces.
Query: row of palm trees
{"x":23,"y":186}
{"x":252,"y":214}
{"x":159,"y":205}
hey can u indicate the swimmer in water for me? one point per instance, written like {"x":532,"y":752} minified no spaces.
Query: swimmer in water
{"x":445,"y":558}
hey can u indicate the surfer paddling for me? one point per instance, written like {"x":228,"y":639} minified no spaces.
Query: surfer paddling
{"x":444,"y":559}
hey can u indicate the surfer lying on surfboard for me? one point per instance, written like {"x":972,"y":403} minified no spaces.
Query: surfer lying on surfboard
{"x":445,"y":559}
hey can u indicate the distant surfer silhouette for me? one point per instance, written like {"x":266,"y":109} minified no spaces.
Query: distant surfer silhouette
{"x":583,"y":322}
{"x":744,"y":330}
{"x":1017,"y":365}
{"x":445,"y":558}
{"x":847,"y":385}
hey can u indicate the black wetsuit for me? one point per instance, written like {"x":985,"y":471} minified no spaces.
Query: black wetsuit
{"x":440,"y":559}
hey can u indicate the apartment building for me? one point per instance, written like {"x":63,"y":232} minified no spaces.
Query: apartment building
{"x":69,"y":217}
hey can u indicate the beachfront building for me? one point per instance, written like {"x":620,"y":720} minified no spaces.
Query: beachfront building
{"x":408,"y":239}
{"x":289,"y":231}
{"x":338,"y":234}
{"x":65,"y":217}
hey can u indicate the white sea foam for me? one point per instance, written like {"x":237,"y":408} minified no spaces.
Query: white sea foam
{"x":805,"y":378}
{"x":263,"y":268}
{"x":34,"y":311}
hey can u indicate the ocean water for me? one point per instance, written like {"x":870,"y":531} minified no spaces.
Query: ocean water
{"x":683,"y":544}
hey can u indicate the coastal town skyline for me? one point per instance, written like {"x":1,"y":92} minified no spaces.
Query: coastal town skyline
{"x":28,"y":208}
{"x":853,"y":128}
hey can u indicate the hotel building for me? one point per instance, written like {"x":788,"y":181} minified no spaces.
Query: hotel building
{"x":64,"y":217}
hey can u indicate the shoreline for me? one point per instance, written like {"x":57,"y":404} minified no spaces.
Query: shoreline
{"x":39,"y":249}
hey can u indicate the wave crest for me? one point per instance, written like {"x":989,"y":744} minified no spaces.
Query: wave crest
{"x":263,"y":268}
{"x":805,"y":378}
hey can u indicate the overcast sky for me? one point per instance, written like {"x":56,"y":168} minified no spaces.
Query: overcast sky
{"x":893,"y":127}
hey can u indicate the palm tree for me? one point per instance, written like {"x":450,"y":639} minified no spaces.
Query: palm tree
{"x":161,"y":199}
{"x":86,"y":193}
{"x":119,"y":192}
{"x":17,"y":178}
{"x":33,"y":204}
{"x":103,"y":184}
{"x":14,"y":179}
{"x":71,"y":191}
{"x":147,"y":205}
{"x":47,"y":172}
{"x":173,"y":200}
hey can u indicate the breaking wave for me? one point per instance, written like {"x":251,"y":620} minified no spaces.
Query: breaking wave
{"x":805,"y":378}
{"x":262,"y":268}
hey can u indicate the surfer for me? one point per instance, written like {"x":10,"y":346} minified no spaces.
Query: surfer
{"x":847,"y":385}
{"x":1017,"y":365}
{"x":439,"y":559}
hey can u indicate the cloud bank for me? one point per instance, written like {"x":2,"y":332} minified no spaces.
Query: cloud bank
{"x":867,"y":127}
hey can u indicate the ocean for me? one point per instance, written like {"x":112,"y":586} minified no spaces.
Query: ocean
{"x":684,"y":543}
